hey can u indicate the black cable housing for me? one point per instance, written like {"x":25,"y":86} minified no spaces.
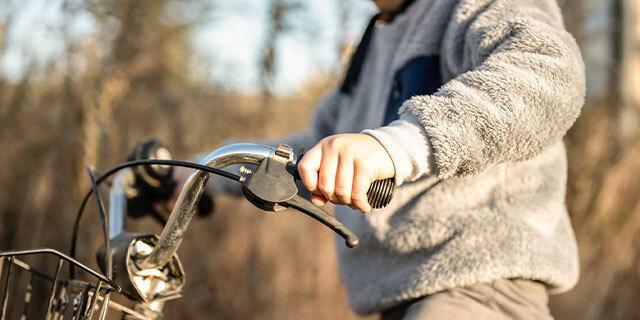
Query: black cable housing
{"x":104,"y":220}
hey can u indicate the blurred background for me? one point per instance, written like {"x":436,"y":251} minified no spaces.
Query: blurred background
{"x":82,"y":81}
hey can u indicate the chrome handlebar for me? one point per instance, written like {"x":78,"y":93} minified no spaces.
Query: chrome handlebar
{"x":185,"y":208}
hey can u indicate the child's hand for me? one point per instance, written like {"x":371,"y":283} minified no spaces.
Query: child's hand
{"x":341,"y":167}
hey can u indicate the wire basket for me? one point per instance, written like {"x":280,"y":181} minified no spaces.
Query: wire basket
{"x":30,"y":293}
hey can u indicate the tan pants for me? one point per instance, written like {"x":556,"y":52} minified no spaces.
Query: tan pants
{"x":500,"y":299}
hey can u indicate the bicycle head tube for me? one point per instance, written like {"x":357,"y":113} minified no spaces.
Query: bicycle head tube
{"x":185,"y":207}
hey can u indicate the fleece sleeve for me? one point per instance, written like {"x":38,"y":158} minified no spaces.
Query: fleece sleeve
{"x":517,"y":85}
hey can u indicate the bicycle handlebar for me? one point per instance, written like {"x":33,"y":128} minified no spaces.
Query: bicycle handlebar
{"x":271,"y":187}
{"x":184,"y":209}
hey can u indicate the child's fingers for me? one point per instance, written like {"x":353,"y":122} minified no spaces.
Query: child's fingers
{"x":344,"y":179}
{"x":327,"y":174}
{"x":318,"y":200}
{"x":308,"y":169}
{"x":361,"y":182}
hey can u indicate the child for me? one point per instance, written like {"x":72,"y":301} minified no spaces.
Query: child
{"x":465,"y":103}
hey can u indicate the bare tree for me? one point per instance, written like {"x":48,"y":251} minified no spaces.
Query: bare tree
{"x":277,"y":24}
{"x":629,"y":76}
{"x":343,"y":26}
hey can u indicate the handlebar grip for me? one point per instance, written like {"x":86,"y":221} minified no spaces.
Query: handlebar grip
{"x":380,"y":193}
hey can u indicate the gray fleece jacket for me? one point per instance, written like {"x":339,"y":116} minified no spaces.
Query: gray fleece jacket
{"x":480,"y":162}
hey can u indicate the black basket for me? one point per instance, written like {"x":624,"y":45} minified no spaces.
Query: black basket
{"x":30,"y":293}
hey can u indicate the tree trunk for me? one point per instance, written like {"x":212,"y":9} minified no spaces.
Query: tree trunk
{"x":629,"y":77}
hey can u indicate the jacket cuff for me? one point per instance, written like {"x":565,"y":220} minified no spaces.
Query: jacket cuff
{"x":408,"y":146}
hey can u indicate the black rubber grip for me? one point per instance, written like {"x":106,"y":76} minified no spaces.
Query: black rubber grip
{"x":380,"y":193}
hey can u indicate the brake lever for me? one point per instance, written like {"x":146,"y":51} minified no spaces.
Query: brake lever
{"x":305,"y":206}
{"x":272,"y":188}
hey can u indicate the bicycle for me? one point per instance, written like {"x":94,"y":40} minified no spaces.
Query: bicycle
{"x":145,"y":268}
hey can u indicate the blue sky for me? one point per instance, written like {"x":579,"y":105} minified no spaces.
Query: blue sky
{"x":227,"y":43}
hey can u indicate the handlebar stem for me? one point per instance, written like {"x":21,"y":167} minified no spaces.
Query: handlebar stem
{"x":185,"y":208}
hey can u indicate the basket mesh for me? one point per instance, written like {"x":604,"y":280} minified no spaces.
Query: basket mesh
{"x":27,"y":292}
